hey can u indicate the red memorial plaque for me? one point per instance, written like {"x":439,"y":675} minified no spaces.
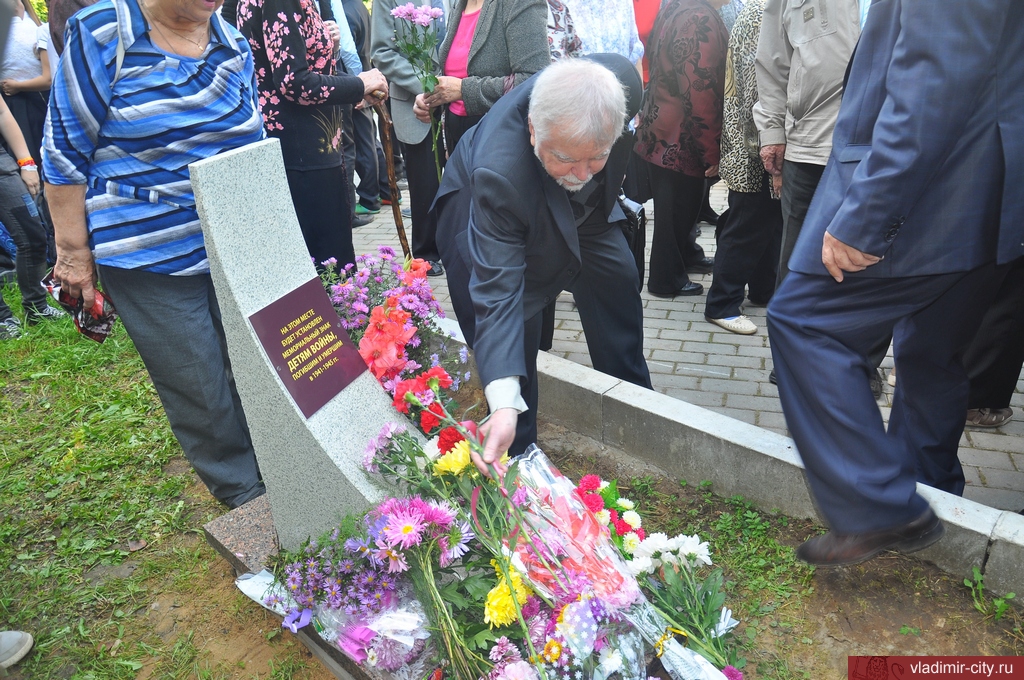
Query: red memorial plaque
{"x":312,"y":353}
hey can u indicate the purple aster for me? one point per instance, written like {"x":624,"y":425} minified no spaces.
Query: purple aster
{"x":458,"y":539}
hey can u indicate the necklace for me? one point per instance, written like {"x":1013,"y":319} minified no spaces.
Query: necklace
{"x":156,"y":24}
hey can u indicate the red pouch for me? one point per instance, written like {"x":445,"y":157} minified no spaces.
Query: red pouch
{"x":95,"y":323}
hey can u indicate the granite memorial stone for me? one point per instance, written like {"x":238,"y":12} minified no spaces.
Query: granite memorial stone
{"x":311,"y":409}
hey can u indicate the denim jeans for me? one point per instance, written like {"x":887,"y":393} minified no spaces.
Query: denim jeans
{"x":19,"y":214}
{"x":175,"y":324}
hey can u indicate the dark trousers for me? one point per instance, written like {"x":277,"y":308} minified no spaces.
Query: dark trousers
{"x":607,"y":297}
{"x":677,"y":201}
{"x":454,"y":128}
{"x":863,"y":475}
{"x":321,"y":199}
{"x":421,"y":173}
{"x":799,"y":180}
{"x":369,"y":161}
{"x":994,"y":358}
{"x":19,"y":214}
{"x":749,"y":236}
{"x":175,"y":323}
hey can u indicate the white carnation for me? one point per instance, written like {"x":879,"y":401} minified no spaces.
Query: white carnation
{"x":604,"y":517}
{"x":630,"y":542}
{"x":631,"y":518}
{"x":625,"y":504}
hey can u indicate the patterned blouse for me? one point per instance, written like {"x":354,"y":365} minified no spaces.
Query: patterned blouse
{"x":131,"y":141}
{"x":299,"y":93}
{"x":681,"y":120}
{"x":562,"y":39}
{"x":741,"y":166}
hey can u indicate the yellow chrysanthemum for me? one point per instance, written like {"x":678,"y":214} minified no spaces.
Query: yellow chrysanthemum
{"x":455,"y":461}
{"x":552,"y":651}
{"x":500,"y":608}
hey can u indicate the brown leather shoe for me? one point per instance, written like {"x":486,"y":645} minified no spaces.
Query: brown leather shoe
{"x":988,"y":417}
{"x":835,"y":549}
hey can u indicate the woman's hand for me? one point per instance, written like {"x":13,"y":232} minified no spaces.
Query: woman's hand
{"x":447,"y":90}
{"x":420,"y":109}
{"x":334,"y":33}
{"x":375,"y":88}
{"x":10,"y":86}
{"x":30,"y":176}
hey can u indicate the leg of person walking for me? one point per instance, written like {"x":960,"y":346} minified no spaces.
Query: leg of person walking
{"x":748,"y":236}
{"x":677,"y":199}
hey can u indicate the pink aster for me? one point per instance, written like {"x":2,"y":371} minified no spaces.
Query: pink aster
{"x":404,"y":528}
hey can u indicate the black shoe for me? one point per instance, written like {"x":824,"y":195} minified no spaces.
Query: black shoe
{"x":709,"y":216}
{"x":835,"y":549}
{"x":436,"y":268}
{"x":704,"y":265}
{"x":47,"y":313}
{"x":361,"y":221}
{"x":690,"y":288}
{"x":772,"y":379}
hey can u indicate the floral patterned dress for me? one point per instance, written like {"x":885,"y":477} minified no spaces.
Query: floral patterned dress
{"x":681,"y":121}
{"x":299,"y":93}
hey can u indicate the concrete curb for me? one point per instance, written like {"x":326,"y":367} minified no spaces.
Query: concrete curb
{"x":689,"y":442}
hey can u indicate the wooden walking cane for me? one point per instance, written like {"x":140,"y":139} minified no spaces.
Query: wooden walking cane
{"x":389,"y":156}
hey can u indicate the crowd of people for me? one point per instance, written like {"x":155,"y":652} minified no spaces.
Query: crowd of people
{"x":871,"y":168}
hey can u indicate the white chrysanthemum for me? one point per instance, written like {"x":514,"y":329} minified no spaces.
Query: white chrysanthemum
{"x":631,"y":518}
{"x":657,"y":542}
{"x":604,"y":517}
{"x":610,"y":661}
{"x":625,"y":504}
{"x":640,"y":565}
{"x":630,"y":542}
{"x":694,"y":549}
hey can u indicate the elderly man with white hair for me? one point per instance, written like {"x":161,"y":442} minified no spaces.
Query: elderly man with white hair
{"x":528,"y":208}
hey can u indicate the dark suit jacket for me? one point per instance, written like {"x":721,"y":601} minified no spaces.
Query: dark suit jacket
{"x":927,"y":158}
{"x":503,"y":215}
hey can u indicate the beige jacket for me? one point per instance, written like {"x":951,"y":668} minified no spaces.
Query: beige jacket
{"x":802,"y":55}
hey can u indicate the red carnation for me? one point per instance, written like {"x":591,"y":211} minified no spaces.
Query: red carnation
{"x":447,"y":439}
{"x":621,"y":528}
{"x":640,"y":533}
{"x":444,"y":380}
{"x":593,"y":501}
{"x":589,"y":484}
{"x":613,"y":514}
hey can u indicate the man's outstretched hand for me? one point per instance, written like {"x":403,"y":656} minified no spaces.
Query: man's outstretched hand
{"x":498,"y":434}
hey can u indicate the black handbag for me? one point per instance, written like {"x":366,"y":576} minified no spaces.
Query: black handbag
{"x":634,"y":228}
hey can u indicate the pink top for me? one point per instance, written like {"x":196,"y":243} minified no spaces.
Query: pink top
{"x":458,"y":55}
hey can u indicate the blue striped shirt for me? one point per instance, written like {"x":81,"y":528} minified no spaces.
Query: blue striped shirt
{"x":131,"y":141}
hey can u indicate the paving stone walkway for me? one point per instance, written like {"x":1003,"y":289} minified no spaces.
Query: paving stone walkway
{"x":695,"y":361}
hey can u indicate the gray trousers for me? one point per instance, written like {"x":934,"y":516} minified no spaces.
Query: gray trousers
{"x":175,"y":324}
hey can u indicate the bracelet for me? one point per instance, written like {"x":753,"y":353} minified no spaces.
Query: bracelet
{"x":26,"y":162}
{"x":32,"y":167}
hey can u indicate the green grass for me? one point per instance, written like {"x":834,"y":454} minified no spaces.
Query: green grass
{"x":84,"y":475}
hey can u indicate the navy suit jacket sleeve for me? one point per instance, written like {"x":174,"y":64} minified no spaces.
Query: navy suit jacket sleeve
{"x":943,"y":58}
{"x":497,"y":246}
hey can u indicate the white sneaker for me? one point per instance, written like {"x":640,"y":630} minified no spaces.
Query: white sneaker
{"x":14,"y":645}
{"x":736,"y":324}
